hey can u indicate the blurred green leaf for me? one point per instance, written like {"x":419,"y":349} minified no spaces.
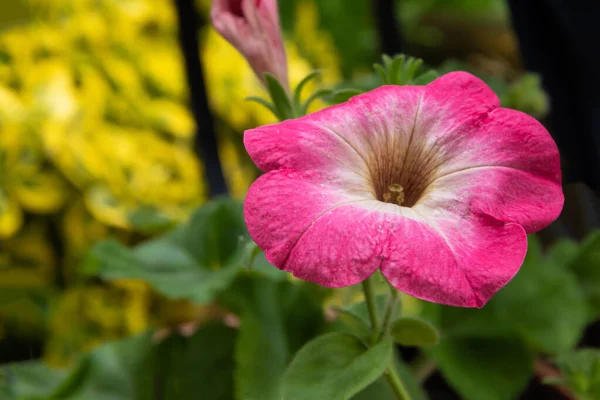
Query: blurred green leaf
{"x":277,"y":318}
{"x":279,"y":97}
{"x":119,"y":370}
{"x":196,"y":261}
{"x":303,"y":82}
{"x":200,"y":366}
{"x":491,"y":369}
{"x":31,"y":380}
{"x":411,"y":331}
{"x":544,"y":304}
{"x":526,"y":94}
{"x":586,"y":266}
{"x":380,"y":389}
{"x":335,"y":358}
{"x":581,"y":371}
{"x":343,"y":95}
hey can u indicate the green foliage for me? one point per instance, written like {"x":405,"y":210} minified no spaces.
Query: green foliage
{"x":581,"y":373}
{"x":117,"y":370}
{"x":277,"y":318}
{"x":335,"y":366}
{"x":398,"y":70}
{"x":199,"y":366}
{"x":136,"y":368}
{"x":195,"y":261}
{"x":356,"y":317}
{"x":403,"y":70}
{"x":586,"y":266}
{"x":411,"y":331}
{"x":544,"y":304}
{"x":543,"y":309}
{"x":491,"y":369}
{"x":284,"y":107}
{"x":279,"y":97}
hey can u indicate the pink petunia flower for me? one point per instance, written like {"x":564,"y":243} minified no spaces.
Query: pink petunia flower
{"x":252,"y":27}
{"x":436,"y":186}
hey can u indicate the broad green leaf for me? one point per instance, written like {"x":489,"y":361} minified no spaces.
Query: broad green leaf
{"x":545,"y":305}
{"x":466,"y":322}
{"x":581,"y":371}
{"x":563,"y":252}
{"x":196,"y":261}
{"x":335,"y":366}
{"x":31,"y":380}
{"x":490,"y":369}
{"x":380,"y":389}
{"x":355,"y":324}
{"x":277,"y":318}
{"x":170,"y":270}
{"x":214,"y":233}
{"x":586,"y":266}
{"x":280,"y":98}
{"x":200,"y":366}
{"x":117,"y":370}
{"x":411,"y":331}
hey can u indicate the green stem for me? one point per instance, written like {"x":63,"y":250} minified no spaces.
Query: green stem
{"x":396,"y":383}
{"x":390,"y":374}
{"x":369,"y":291}
{"x":387,"y":316}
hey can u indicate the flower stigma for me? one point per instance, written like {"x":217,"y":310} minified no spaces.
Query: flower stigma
{"x":397,"y":190}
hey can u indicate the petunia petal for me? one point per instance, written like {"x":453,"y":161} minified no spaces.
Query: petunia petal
{"x":453,"y":261}
{"x":342,"y":247}
{"x":350,"y":134}
{"x":282,"y":204}
{"x":508,"y":167}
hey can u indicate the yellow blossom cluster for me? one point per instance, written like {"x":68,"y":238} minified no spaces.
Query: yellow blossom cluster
{"x":96,"y":141}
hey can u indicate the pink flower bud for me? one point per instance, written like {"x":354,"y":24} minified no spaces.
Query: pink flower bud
{"x":252,"y":27}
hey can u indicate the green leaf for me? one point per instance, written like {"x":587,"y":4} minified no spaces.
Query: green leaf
{"x":491,"y":369}
{"x":264,"y":103}
{"x":563,"y":252}
{"x":277,"y":318}
{"x":545,"y":305}
{"x":382,"y":73}
{"x":357,"y":325}
{"x":215,"y":233}
{"x":410,"y":331}
{"x":466,"y":322}
{"x":343,"y":95}
{"x":396,"y":67}
{"x":581,"y":371}
{"x":335,"y":366}
{"x":380,"y":389}
{"x":425,"y":78}
{"x":280,"y":98}
{"x":361,"y":311}
{"x":199,"y":366}
{"x":318,"y":94}
{"x":303,"y":82}
{"x":196,"y":261}
{"x":586,"y":267}
{"x":32,"y":379}
{"x":117,"y":370}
